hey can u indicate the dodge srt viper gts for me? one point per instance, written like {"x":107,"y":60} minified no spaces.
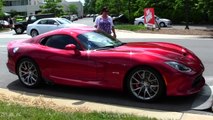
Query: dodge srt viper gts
{"x":86,"y":57}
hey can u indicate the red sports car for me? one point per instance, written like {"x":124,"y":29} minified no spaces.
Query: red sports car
{"x":86,"y":57}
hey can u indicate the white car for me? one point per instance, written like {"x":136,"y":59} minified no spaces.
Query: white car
{"x":47,"y":24}
{"x":4,"y":23}
{"x":161,"y":21}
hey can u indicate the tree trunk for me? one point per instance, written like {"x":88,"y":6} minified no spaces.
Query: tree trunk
{"x":187,"y":13}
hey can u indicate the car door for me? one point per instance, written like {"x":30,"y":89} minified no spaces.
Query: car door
{"x":67,"y":66}
{"x":41,"y":26}
{"x":52,"y":25}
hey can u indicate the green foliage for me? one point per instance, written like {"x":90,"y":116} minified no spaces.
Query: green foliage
{"x":72,"y":9}
{"x":11,"y":111}
{"x":200,"y":11}
{"x":89,"y":6}
{"x":1,"y":11}
{"x":52,"y":6}
{"x":130,"y":27}
{"x":13,"y":13}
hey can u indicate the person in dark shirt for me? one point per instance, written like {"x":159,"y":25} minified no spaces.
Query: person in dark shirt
{"x":11,"y":23}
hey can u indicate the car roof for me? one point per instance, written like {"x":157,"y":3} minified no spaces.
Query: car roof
{"x":50,"y":18}
{"x":76,"y":29}
{"x":79,"y":29}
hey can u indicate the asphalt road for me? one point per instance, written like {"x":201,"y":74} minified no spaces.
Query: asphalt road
{"x":199,"y":103}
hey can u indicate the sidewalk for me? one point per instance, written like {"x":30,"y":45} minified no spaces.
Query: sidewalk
{"x":129,"y":34}
{"x":79,"y":105}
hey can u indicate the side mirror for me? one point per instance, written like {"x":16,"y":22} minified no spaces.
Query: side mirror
{"x":55,"y":23}
{"x":70,"y":47}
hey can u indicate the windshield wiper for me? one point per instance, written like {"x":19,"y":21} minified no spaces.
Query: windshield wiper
{"x":106,"y":47}
{"x":120,"y":44}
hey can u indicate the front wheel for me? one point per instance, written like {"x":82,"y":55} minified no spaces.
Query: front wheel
{"x":140,"y":23}
{"x":162,"y":24}
{"x":145,"y":84}
{"x":29,"y":73}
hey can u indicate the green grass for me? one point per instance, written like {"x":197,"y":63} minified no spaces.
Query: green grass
{"x":12,"y":111}
{"x":130,"y":27}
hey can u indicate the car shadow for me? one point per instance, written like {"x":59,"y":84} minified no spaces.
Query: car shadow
{"x":176,"y":104}
{"x":20,"y":34}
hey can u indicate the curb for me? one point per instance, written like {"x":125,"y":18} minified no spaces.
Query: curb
{"x":86,"y":106}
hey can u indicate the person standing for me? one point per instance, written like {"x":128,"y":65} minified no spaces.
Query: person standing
{"x":104,"y":22}
{"x":11,"y":23}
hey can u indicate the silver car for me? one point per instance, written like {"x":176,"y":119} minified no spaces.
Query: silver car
{"x":48,"y":24}
{"x":161,"y":21}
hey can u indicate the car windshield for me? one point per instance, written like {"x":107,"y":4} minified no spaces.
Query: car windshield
{"x":97,"y":40}
{"x":64,"y":21}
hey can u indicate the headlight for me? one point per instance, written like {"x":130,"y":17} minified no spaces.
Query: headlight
{"x":178,"y":66}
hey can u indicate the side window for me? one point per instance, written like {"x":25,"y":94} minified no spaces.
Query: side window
{"x":52,"y":22}
{"x":59,"y":41}
{"x":33,"y":18}
{"x":42,"y":22}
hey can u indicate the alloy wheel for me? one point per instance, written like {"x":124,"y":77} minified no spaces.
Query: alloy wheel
{"x":145,"y":84}
{"x":28,"y":73}
{"x":19,"y":30}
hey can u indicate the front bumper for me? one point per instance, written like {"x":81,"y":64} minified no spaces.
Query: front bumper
{"x":186,"y":85}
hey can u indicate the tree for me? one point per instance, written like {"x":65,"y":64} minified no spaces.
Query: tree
{"x":1,"y":11}
{"x":206,"y":10}
{"x":90,"y":6}
{"x":187,"y":13}
{"x":13,"y":13}
{"x":179,"y":11}
{"x":52,"y":6}
{"x":72,"y":9}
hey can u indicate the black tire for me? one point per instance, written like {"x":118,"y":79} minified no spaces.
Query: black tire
{"x":34,"y":33}
{"x":162,"y":24}
{"x":29,"y":73}
{"x":145,"y":84}
{"x":140,"y":23}
{"x":19,"y":30}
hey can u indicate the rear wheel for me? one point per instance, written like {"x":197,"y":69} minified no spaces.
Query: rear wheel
{"x":29,"y":73}
{"x":145,"y":84}
{"x":34,"y":33}
{"x":19,"y":30}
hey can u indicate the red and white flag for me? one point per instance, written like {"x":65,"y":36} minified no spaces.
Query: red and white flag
{"x":149,"y":17}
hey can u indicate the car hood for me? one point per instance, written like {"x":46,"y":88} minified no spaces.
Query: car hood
{"x":164,"y":19}
{"x":162,"y":50}
{"x":139,"y":19}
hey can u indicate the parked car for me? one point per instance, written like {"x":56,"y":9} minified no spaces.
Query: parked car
{"x":48,"y":24}
{"x":75,"y":17}
{"x":68,"y":17}
{"x":94,"y":17}
{"x":19,"y":18}
{"x":20,"y":27}
{"x":88,"y":15}
{"x":85,"y":57}
{"x":120,"y":19}
{"x":161,"y":21}
{"x":4,"y":24}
